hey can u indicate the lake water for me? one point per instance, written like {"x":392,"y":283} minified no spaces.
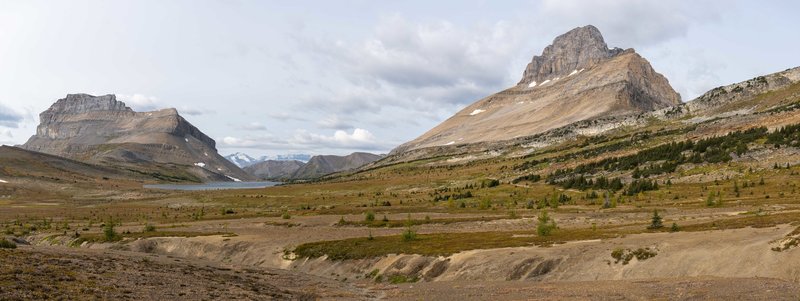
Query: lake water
{"x":213,"y":185}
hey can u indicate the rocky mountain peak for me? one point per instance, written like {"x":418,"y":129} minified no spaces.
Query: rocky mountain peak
{"x":577,"y":78}
{"x":580,"y":48}
{"x":81,"y":103}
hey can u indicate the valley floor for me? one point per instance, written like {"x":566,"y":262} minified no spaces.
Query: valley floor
{"x":38,"y":273}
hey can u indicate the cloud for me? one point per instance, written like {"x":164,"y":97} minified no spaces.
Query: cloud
{"x":194,"y":111}
{"x":283,"y":116}
{"x":140,"y":102}
{"x":422,"y":67}
{"x":334,"y":122}
{"x":358,"y":139}
{"x":254,"y":126}
{"x":9,"y":117}
{"x":633,"y":23}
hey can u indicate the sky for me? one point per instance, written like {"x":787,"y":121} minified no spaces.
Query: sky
{"x":334,"y":77}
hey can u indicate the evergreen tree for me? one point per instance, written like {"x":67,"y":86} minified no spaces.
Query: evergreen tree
{"x":656,"y":223}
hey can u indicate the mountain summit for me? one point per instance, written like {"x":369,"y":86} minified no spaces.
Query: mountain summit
{"x":576,"y":78}
{"x":100,"y":129}
{"x":580,"y":48}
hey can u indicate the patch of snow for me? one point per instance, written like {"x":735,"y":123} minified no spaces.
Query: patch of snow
{"x":3,"y":181}
{"x":545,"y":82}
{"x":521,"y":102}
{"x":186,"y":139}
{"x":476,"y":112}
{"x":459,"y":139}
{"x":234,"y":179}
{"x":205,"y":154}
{"x":557,"y":78}
{"x":201,"y":164}
{"x":450,"y":143}
{"x":532,"y":84}
{"x":573,"y":72}
{"x":219,"y":169}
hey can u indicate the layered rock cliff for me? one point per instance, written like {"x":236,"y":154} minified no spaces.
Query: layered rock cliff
{"x":100,"y":129}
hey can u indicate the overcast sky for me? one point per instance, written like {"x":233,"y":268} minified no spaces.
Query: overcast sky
{"x":332,"y":77}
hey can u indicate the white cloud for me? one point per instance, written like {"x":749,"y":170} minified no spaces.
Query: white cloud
{"x":358,"y":139}
{"x":334,"y":122}
{"x":140,"y":102}
{"x":193,"y":111}
{"x":422,"y":67}
{"x":633,"y":23}
{"x":254,"y":126}
{"x":283,"y":116}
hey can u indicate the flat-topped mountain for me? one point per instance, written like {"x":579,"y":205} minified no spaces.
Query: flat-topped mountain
{"x":576,"y":78}
{"x":100,"y":129}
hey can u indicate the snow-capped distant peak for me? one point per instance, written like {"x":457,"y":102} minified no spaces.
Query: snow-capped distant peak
{"x":243,"y":160}
{"x":240,"y":159}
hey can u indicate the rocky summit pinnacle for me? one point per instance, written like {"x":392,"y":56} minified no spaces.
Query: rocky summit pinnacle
{"x":103,"y":130}
{"x":577,"y":49}
{"x":575,"y":79}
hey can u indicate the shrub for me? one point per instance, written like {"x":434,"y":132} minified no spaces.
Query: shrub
{"x":674,"y":228}
{"x":109,"y":233}
{"x":149,"y":228}
{"x":546,"y":224}
{"x":286,"y":215}
{"x":370,"y":217}
{"x":5,"y":244}
{"x":398,"y":279}
{"x":409,"y":234}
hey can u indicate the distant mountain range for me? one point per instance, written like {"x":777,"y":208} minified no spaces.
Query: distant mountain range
{"x":315,"y":167}
{"x":244,"y":160}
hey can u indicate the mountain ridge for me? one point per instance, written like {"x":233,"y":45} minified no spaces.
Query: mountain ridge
{"x":102,"y":130}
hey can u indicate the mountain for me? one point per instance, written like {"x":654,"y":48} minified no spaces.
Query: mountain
{"x":274,"y":169}
{"x":576,"y":78}
{"x":241,"y":159}
{"x":319,"y":166}
{"x":102,"y":130}
{"x":244,"y":160}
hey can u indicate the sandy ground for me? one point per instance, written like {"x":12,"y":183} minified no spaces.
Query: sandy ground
{"x":688,"y":266}
{"x":36,"y":273}
{"x":703,"y":288}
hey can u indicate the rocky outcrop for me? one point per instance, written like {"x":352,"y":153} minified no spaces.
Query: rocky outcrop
{"x":580,"y":48}
{"x":576,"y":79}
{"x":100,"y":129}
